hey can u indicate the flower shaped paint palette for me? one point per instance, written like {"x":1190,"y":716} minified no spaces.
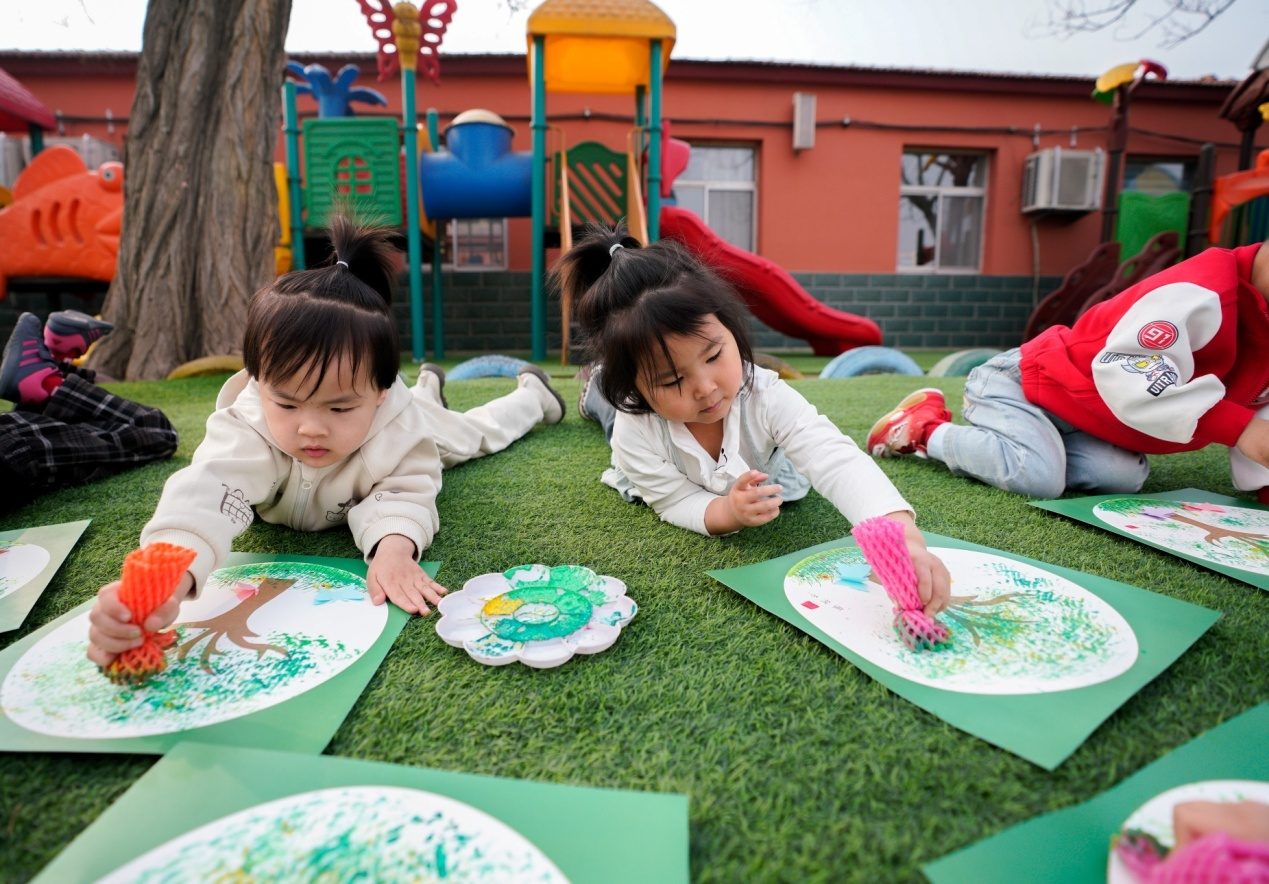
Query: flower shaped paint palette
{"x":536,"y":614}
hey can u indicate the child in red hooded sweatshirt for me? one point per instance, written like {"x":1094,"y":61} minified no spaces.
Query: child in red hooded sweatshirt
{"x":1177,"y":362}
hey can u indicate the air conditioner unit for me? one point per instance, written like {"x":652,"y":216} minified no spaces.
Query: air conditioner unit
{"x":1056,"y":180}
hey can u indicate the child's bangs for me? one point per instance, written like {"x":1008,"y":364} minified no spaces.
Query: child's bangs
{"x":308,"y":337}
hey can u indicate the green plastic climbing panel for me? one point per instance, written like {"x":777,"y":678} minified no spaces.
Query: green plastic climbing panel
{"x":354,"y":162}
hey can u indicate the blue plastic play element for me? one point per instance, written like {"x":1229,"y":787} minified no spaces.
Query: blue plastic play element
{"x":333,"y":96}
{"x":494,"y":366}
{"x":478,"y":175}
{"x":870,"y":360}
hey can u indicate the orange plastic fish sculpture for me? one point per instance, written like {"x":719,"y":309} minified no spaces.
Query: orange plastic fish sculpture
{"x":64,"y":220}
{"x":150,"y":576}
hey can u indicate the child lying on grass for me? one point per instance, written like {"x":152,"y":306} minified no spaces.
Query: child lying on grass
{"x":319,"y":430}
{"x":711,"y":442}
{"x":1175,"y":363}
{"x":65,"y":430}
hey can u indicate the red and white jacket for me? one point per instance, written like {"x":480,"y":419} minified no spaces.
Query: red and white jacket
{"x":1174,"y":363}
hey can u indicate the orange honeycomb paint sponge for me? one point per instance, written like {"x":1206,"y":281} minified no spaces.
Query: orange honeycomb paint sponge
{"x":150,"y":577}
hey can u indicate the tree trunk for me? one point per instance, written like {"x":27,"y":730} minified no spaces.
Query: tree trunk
{"x":200,"y":205}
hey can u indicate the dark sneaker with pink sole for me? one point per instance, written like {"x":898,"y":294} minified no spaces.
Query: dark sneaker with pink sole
{"x":68,"y":333}
{"x":27,"y":364}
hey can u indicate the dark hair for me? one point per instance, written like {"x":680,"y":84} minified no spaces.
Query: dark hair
{"x":630,"y":298}
{"x":307,"y":320}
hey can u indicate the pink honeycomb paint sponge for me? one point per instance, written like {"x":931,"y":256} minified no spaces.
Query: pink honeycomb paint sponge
{"x":882,"y":542}
{"x":1216,"y":858}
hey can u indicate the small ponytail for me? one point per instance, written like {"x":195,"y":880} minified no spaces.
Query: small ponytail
{"x":630,"y":298}
{"x":306,"y":321}
{"x":366,"y":252}
{"x":594,"y":252}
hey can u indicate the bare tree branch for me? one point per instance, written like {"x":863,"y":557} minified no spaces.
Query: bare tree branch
{"x":1174,"y":20}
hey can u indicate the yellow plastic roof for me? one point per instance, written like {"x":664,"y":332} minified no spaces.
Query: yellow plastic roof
{"x":603,"y":18}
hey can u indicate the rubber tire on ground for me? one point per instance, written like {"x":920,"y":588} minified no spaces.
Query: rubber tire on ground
{"x":870,"y":360}
{"x":492,"y":366}
{"x":207,"y":365}
{"x":779,"y":366}
{"x":962,"y":362}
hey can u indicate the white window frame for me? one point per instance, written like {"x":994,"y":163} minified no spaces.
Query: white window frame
{"x":941,"y":191}
{"x":710,"y":184}
{"x":452,"y":247}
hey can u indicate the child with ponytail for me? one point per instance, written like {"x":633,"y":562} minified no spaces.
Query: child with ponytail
{"x":320,"y":431}
{"x":708,"y":440}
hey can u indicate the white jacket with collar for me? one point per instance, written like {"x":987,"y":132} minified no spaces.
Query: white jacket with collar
{"x":387,"y":486}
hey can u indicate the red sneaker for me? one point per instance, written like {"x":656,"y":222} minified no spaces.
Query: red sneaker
{"x":28,"y":374}
{"x":904,"y":430}
{"x":69,"y":333}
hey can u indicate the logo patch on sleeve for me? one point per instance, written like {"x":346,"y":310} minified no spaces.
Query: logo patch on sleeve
{"x":1158,"y":335}
{"x":1158,"y":372}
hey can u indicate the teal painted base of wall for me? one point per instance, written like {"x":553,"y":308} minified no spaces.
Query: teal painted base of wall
{"x":489,"y":312}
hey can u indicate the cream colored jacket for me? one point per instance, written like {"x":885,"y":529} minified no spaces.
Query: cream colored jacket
{"x":387,"y":486}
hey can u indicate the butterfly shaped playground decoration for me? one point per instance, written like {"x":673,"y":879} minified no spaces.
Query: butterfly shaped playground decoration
{"x":428,"y":24}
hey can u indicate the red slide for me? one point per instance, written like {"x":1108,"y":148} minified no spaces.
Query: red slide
{"x":771,"y":294}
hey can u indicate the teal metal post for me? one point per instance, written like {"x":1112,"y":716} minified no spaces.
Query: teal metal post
{"x":641,"y":106}
{"x":412,"y":212}
{"x":654,"y":147}
{"x":438,"y":254}
{"x":37,"y":138}
{"x":537,"y":304}
{"x":293,"y":174}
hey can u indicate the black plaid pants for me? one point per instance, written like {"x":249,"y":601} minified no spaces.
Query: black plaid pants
{"x":83,"y":433}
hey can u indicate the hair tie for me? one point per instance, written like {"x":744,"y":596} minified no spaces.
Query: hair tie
{"x":345,"y":263}
{"x":614,"y":248}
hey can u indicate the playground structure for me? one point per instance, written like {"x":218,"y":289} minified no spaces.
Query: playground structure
{"x":623,"y":48}
{"x":612,"y":183}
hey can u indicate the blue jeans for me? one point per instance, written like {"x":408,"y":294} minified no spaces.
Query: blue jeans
{"x":1019,"y":447}
{"x":599,"y":407}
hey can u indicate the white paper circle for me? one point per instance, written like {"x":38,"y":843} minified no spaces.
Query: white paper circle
{"x":54,"y":689}
{"x":19,"y":562}
{"x":359,"y":833}
{"x":1015,"y":629}
{"x":1155,"y":816}
{"x":1170,"y":524}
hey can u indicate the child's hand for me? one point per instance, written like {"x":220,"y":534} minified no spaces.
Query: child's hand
{"x":1243,"y":820}
{"x":1254,"y":441}
{"x":393,"y":574}
{"x":752,"y":503}
{"x":111,"y":630}
{"x":934,"y":582}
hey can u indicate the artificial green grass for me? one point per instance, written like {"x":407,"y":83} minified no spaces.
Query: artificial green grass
{"x":798,"y":766}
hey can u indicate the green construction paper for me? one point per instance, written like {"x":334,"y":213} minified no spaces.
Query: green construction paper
{"x":1081,"y":509}
{"x":58,"y":540}
{"x":303,"y":723}
{"x":591,"y":834}
{"x":1043,"y":728}
{"x":1073,"y":845}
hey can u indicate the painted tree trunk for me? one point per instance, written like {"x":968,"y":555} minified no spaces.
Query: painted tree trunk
{"x":200,"y":205}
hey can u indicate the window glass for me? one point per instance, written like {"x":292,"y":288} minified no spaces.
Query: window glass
{"x":719,"y":185}
{"x":1157,"y":177}
{"x":479,"y":243}
{"x":941,"y":204}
